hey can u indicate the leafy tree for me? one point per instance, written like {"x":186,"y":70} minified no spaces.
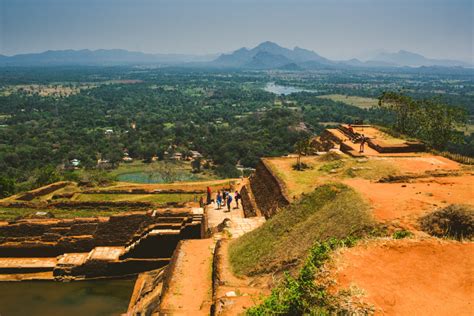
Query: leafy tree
{"x":7,"y":187}
{"x":427,"y":119}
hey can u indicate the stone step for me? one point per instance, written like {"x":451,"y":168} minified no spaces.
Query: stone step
{"x":25,"y":265}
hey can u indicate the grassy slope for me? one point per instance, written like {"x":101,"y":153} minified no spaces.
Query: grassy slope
{"x":332,"y":210}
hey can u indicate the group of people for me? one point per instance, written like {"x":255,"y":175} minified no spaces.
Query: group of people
{"x":223,"y":198}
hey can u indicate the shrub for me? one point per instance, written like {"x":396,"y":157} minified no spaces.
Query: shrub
{"x":400,"y":234}
{"x":454,"y":221}
{"x":300,"y":166}
{"x":302,"y":295}
{"x":330,"y":156}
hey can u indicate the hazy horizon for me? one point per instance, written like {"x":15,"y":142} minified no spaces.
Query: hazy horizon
{"x":342,"y":30}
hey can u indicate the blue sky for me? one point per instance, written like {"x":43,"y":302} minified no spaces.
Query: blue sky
{"x":334,"y":28}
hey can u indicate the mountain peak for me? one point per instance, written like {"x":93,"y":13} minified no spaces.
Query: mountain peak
{"x":268,"y":44}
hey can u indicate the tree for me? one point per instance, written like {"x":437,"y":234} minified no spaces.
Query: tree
{"x":302,"y":147}
{"x":196,"y":165}
{"x":7,"y":187}
{"x":429,"y":120}
{"x":404,"y":108}
{"x":46,"y":175}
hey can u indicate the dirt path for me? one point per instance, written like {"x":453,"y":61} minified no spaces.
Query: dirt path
{"x":190,"y":288}
{"x":411,"y":277}
{"x":234,"y":295}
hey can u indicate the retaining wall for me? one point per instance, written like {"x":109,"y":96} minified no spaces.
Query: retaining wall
{"x":267,"y":191}
{"x":52,"y":237}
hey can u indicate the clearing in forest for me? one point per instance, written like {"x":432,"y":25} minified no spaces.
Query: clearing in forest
{"x":360,"y":102}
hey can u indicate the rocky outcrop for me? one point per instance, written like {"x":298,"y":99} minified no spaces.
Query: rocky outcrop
{"x":267,"y":191}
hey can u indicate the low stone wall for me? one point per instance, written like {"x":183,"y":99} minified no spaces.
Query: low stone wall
{"x":30,"y":195}
{"x":267,"y":191}
{"x":52,"y":237}
{"x":406,"y":147}
{"x":143,"y":191}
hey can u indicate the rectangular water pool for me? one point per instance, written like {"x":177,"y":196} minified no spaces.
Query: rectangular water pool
{"x":91,"y":298}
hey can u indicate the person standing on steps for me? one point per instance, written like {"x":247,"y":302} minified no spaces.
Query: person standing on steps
{"x":219,"y":200}
{"x":229,"y":201}
{"x":237,"y":198}
{"x":362,"y":143}
{"x":208,"y":196}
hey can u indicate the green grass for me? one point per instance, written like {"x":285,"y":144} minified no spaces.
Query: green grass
{"x":153,"y":198}
{"x":360,"y":102}
{"x":332,"y":210}
{"x":7,"y":213}
{"x":301,"y":295}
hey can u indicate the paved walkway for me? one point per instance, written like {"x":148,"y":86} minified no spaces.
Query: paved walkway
{"x":236,"y":224}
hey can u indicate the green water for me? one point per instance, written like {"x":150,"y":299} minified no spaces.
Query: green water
{"x":79,"y":298}
{"x":144,"y":177}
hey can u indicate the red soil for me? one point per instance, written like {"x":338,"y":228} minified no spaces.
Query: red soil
{"x":406,"y":202}
{"x":411,"y":277}
{"x":190,"y":288}
{"x":422,"y":163}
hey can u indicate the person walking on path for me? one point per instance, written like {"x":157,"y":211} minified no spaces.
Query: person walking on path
{"x":208,"y":196}
{"x":362,"y":143}
{"x":229,"y":201}
{"x":237,"y":198}
{"x":219,"y":200}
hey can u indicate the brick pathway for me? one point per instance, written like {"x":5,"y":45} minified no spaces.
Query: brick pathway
{"x":236,"y":224}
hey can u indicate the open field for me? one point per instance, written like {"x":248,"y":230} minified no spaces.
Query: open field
{"x":55,"y":90}
{"x":153,"y":198}
{"x":374,"y":168}
{"x":404,"y":203}
{"x":360,"y":102}
{"x":321,"y":171}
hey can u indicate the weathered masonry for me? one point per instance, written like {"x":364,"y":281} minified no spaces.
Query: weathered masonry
{"x":86,"y":247}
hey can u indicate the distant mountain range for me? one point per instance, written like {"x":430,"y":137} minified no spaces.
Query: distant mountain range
{"x":269,"y":55}
{"x":100,"y":57}
{"x":266,"y":55}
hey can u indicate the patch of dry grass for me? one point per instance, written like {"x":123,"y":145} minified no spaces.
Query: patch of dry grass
{"x":330,"y":167}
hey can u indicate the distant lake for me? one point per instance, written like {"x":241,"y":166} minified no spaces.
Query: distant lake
{"x":285,"y":90}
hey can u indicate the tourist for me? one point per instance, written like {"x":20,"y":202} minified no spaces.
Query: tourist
{"x":229,"y":201}
{"x":208,"y":196}
{"x":237,"y":198}
{"x":201,"y":202}
{"x":363,"y":140}
{"x":219,"y":200}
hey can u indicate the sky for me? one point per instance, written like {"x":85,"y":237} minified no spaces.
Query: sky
{"x":337,"y":29}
